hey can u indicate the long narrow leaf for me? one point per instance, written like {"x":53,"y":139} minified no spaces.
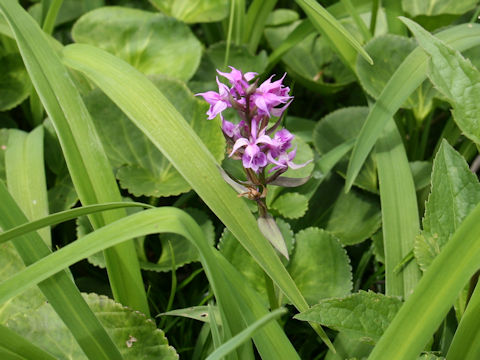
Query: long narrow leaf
{"x":256,"y":18}
{"x":63,"y":216}
{"x":86,"y":160}
{"x":345,"y":44}
{"x":59,"y":290}
{"x":400,"y":222}
{"x":227,"y":284}
{"x":243,"y":336}
{"x":406,"y":79}
{"x":436,"y":292}
{"x":13,"y":345}
{"x":26,"y":175}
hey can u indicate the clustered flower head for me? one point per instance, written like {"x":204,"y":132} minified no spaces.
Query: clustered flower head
{"x":250,"y":139}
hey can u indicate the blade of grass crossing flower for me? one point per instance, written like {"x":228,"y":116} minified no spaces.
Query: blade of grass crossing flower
{"x":437,"y":290}
{"x":87,"y":163}
{"x":256,"y":19}
{"x":466,"y":342}
{"x":408,"y":77}
{"x":59,"y":290}
{"x":239,"y":302}
{"x":63,"y":216}
{"x":341,"y":40}
{"x":399,"y":211}
{"x":243,"y":336}
{"x":13,"y":346}
{"x":26,"y":175}
{"x":145,"y":105}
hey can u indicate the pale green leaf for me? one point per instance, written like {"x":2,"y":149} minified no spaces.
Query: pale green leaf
{"x":281,"y":17}
{"x":421,"y":171}
{"x":135,"y":335}
{"x":364,"y":314}
{"x":62,"y":195}
{"x":454,"y":194}
{"x":354,"y":217}
{"x":14,"y":79}
{"x":456,"y":78}
{"x":320,"y":266}
{"x":349,"y":347}
{"x":153,"y":43}
{"x":69,"y":10}
{"x":196,"y":11}
{"x":141,"y":167}
{"x":10,"y":264}
{"x":291,"y":205}
{"x":200,"y":313}
{"x":437,"y":7}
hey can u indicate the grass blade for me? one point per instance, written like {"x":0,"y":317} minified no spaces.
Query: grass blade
{"x":13,"y":346}
{"x":86,"y":160}
{"x":59,"y":290}
{"x":243,"y":336}
{"x":63,"y":216}
{"x":341,"y":40}
{"x":466,"y":342}
{"x":26,"y":175}
{"x":434,"y":295}
{"x":239,"y":302}
{"x":399,"y":211}
{"x":256,"y":19}
{"x":165,"y":127}
{"x":406,"y":80}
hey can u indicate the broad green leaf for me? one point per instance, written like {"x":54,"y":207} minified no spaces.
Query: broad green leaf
{"x":14,"y":79}
{"x":311,"y":61}
{"x":84,"y":154}
{"x":141,"y":167}
{"x":196,"y":11}
{"x":338,"y":127}
{"x":364,"y":314}
{"x":421,"y":172}
{"x":291,"y":205}
{"x":354,"y":217}
{"x":437,"y":7}
{"x":454,"y":194}
{"x":135,"y":335}
{"x":300,"y":127}
{"x":10,"y":264}
{"x":62,"y":195}
{"x":320,"y":266}
{"x":152,"y":43}
{"x":26,"y":175}
{"x":408,"y":77}
{"x":3,"y":148}
{"x":281,"y":17}
{"x":185,"y":150}
{"x":456,"y":78}
{"x":339,"y":38}
{"x":388,"y":52}
{"x":400,"y":220}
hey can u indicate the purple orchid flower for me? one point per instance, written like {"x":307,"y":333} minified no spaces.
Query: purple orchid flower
{"x":270,"y":94}
{"x":285,"y":161}
{"x":233,"y":131}
{"x":238,"y":80}
{"x":253,"y":157}
{"x":218,"y":101}
{"x":281,"y":142}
